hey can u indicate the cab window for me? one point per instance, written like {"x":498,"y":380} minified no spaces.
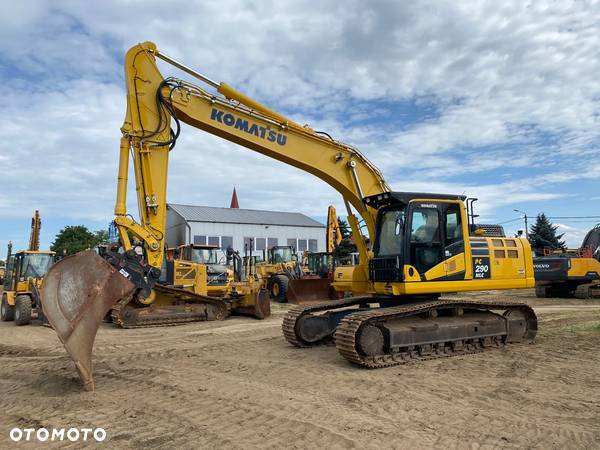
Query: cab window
{"x":425,"y":225}
{"x":453,"y":233}
{"x":425,"y":238}
{"x":390,"y":233}
{"x":453,"y":228}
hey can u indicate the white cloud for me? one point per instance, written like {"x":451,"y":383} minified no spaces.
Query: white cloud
{"x":513,"y":85}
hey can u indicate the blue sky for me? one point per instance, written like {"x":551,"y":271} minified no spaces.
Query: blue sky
{"x":496,"y":100}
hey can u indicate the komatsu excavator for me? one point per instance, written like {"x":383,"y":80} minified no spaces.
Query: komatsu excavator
{"x":416,"y":246}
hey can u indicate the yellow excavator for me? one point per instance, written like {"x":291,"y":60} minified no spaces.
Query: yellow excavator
{"x":417,"y":245}
{"x":25,"y":272}
{"x":574,"y":273}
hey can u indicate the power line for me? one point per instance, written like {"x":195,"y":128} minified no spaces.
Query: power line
{"x":509,"y":221}
{"x":573,"y":217}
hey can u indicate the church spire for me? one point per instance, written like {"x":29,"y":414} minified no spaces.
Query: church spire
{"x":234,"y":200}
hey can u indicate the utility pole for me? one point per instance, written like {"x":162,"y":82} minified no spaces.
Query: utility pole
{"x":524,"y":217}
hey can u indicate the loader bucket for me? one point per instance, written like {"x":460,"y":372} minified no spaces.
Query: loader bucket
{"x":77,"y":293}
{"x":308,"y":290}
{"x":260,"y":307}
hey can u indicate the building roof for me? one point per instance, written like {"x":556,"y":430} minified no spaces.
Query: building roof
{"x":237,"y":215}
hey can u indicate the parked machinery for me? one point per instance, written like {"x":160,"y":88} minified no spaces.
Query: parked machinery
{"x":571,"y":273}
{"x":279,"y":266}
{"x":218,"y":275}
{"x":25,"y":272}
{"x":418,"y":245}
{"x":316,"y":284}
{"x":240,"y":287}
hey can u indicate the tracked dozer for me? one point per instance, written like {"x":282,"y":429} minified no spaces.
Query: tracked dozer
{"x":413,"y":247}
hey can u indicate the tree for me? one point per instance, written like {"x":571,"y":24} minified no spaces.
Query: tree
{"x":346,"y":246}
{"x":543,"y":235}
{"x":102,"y":236}
{"x":73,"y":239}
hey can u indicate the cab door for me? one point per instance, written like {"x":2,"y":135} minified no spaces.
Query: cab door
{"x":424,"y":241}
{"x":435,"y":243}
{"x":454,"y":244}
{"x":9,"y":275}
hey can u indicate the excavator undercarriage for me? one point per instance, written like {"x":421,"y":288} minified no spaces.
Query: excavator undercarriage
{"x":369,"y":334}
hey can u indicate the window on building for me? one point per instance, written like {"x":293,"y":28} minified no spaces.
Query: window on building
{"x":272,"y":242}
{"x":213,"y":240}
{"x":312,"y":245}
{"x":248,"y":243}
{"x":226,"y":241}
{"x":260,"y":244}
{"x":302,"y":245}
{"x":199,"y":240}
{"x":292,"y":243}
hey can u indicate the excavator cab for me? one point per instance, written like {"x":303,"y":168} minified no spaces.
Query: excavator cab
{"x":420,"y":240}
{"x":319,"y":263}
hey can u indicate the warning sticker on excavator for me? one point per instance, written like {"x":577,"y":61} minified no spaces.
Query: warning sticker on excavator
{"x":481,"y":268}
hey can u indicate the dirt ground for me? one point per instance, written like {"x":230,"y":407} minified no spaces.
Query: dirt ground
{"x":238,"y":384}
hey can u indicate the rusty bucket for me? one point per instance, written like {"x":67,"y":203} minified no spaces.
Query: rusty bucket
{"x":76,"y":295}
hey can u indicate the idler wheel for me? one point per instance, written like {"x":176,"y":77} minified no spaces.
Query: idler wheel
{"x":371,"y":341}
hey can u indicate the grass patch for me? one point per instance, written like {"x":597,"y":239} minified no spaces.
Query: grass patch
{"x":582,"y":328}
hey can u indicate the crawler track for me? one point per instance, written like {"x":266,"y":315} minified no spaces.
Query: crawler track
{"x":350,"y":327}
{"x":294,"y":314}
{"x":126,"y":315}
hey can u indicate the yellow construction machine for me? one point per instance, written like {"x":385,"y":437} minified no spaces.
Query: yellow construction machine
{"x":279,"y":265}
{"x":318,"y":267}
{"x":417,"y":245}
{"x":25,"y":272}
{"x":197,"y":268}
{"x":218,"y":276}
{"x":573,"y":273}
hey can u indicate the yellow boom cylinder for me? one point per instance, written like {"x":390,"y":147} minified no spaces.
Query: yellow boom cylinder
{"x":120,"y":205}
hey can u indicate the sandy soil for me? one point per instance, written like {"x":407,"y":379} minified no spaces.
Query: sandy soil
{"x":238,"y":384}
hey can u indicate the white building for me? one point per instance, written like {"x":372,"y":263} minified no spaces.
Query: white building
{"x":236,"y":227}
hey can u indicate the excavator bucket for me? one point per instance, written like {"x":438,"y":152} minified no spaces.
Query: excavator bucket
{"x":76,"y":295}
{"x":259,"y":307}
{"x":308,"y":290}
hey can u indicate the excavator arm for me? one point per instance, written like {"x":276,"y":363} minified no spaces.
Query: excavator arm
{"x":153,"y":101}
{"x":80,"y":290}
